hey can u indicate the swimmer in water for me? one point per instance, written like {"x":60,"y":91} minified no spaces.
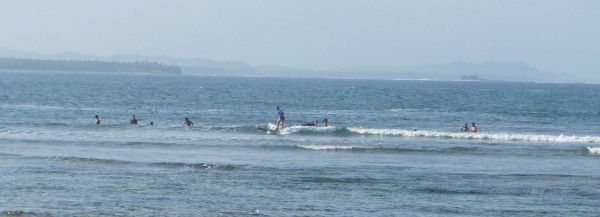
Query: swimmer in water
{"x":133,"y":121}
{"x":188,"y":122}
{"x":473,"y":128}
{"x":313,"y":124}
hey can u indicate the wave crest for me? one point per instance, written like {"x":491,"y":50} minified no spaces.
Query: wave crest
{"x":483,"y":136}
{"x":183,"y":165}
{"x":89,"y":160}
{"x":307,"y":129}
{"x":169,"y":165}
{"x":335,"y":147}
{"x":593,"y":150}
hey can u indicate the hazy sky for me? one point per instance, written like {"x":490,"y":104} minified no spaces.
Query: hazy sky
{"x":552,"y":35}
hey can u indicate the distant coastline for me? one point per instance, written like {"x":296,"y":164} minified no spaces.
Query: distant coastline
{"x":457,"y":70}
{"x":87,"y":66}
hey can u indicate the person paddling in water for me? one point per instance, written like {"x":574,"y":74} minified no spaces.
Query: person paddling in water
{"x":96,"y":119}
{"x":188,"y":122}
{"x":280,"y":118}
{"x":313,"y":124}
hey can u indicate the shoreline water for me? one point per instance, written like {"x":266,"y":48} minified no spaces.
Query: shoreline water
{"x":536,"y":151}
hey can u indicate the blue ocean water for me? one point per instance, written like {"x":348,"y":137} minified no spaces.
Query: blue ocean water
{"x":392,"y":148}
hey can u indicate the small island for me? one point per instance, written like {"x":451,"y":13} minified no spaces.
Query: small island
{"x":470,"y":78}
{"x":87,"y":66}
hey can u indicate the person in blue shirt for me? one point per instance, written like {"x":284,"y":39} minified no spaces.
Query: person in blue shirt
{"x":280,"y":118}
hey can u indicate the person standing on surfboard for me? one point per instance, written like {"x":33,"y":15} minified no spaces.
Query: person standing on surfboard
{"x":280,"y":118}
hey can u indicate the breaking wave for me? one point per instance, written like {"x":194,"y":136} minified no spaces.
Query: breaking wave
{"x":593,"y":150}
{"x":307,"y":129}
{"x":349,"y":131}
{"x":483,"y":136}
{"x":336,"y":147}
{"x":373,"y":148}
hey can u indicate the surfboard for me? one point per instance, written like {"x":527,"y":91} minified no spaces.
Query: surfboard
{"x":262,"y":128}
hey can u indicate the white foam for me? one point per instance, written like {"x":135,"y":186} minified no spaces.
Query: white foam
{"x":594,"y":150}
{"x":295,"y":129}
{"x":334,"y":147}
{"x":272,"y":126}
{"x":467,"y":135}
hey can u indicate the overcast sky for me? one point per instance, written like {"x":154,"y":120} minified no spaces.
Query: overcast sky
{"x":551,"y":35}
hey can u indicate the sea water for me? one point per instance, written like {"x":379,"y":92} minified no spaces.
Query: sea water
{"x":392,"y":148}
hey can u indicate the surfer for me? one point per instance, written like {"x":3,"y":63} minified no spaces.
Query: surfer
{"x":313,"y":124}
{"x":465,"y":128}
{"x":188,"y":122}
{"x":96,"y":119}
{"x":280,"y":118}
{"x":151,"y":123}
{"x":325,"y":122}
{"x":473,"y":128}
{"x":133,"y":121}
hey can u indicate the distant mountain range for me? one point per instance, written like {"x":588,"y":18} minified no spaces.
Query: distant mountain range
{"x":505,"y":71}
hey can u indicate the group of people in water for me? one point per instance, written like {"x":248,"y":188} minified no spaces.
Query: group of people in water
{"x":189,"y":123}
{"x":134,"y":121}
{"x":281,"y":120}
{"x":467,"y":129}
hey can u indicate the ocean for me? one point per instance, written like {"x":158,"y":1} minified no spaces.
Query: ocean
{"x":392,"y":148}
